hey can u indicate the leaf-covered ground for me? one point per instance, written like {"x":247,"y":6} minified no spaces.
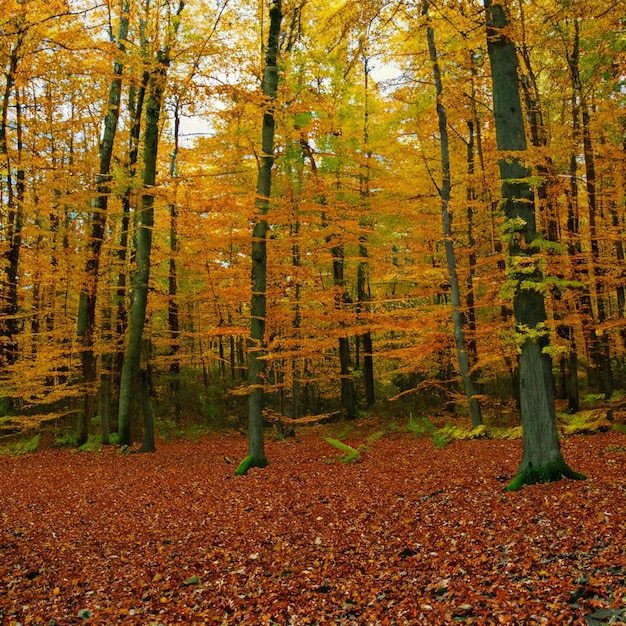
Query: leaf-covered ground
{"x":408,"y":534}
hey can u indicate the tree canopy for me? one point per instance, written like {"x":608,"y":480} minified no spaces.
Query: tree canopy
{"x":359,"y":303}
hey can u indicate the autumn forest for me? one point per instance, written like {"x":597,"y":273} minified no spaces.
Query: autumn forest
{"x":299,"y":247}
{"x":302,"y":208}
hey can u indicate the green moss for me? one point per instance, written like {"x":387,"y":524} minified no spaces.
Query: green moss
{"x":543,"y":474}
{"x":249,"y":462}
{"x":66,"y":440}
{"x":93,"y":444}
{"x":585,"y":422}
{"x":454,"y":432}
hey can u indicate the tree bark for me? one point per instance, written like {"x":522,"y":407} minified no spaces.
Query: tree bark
{"x":458,"y":321}
{"x":143,"y":242}
{"x":257,"y":348}
{"x":542,"y":460}
{"x":173,"y":316}
{"x":86,"y":323}
{"x":12,"y":197}
{"x":143,"y":247}
{"x":599,"y":352}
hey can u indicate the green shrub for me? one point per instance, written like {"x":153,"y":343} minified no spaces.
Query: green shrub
{"x":66,"y":440}
{"x":29,"y":446}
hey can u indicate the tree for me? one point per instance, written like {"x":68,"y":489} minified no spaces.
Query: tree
{"x":86,"y":324}
{"x":143,"y":247}
{"x":542,"y":460}
{"x":445,"y":192}
{"x":258,"y":304}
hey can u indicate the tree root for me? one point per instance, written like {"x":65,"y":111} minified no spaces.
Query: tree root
{"x":249,"y":462}
{"x":549,"y":473}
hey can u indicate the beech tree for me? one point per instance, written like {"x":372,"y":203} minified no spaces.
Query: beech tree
{"x":143,"y":243}
{"x":542,"y":460}
{"x":258,"y":306}
{"x":458,"y":322}
{"x":86,"y":324}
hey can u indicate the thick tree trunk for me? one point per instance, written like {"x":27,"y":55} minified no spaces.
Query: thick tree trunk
{"x":458,"y":320}
{"x":542,"y":460}
{"x":258,"y":305}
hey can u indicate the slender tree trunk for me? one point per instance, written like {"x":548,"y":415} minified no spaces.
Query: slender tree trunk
{"x":258,"y":305}
{"x":542,"y":460}
{"x":472,"y":350}
{"x":458,"y":321}
{"x":136,"y":107}
{"x":599,"y":341}
{"x":172,"y":305}
{"x":296,"y":261}
{"x":598,"y":349}
{"x":86,"y":324}
{"x":11,"y":197}
{"x":363,"y":290}
{"x":348,"y":389}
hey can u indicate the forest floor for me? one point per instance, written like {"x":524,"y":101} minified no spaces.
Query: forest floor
{"x":407,"y":534}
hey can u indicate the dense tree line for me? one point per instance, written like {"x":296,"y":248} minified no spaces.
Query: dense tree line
{"x":318,"y":206}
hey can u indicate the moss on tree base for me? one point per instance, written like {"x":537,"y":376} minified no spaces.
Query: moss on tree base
{"x":249,"y":462}
{"x":549,"y":473}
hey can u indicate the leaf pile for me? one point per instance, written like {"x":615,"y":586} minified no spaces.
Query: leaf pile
{"x":407,"y":534}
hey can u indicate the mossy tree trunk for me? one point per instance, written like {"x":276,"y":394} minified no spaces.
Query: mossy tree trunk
{"x":258,"y":304}
{"x":86,"y":323}
{"x":542,"y":460}
{"x":143,"y":245}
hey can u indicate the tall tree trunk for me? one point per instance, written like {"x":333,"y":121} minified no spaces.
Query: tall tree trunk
{"x":143,"y":247}
{"x":348,"y":389}
{"x":458,"y":321}
{"x":11,"y":196}
{"x":542,"y":460}
{"x":258,"y":305}
{"x":569,"y":360}
{"x":362,"y":283}
{"x":172,"y":302}
{"x":86,"y":323}
{"x":472,"y":350}
{"x":136,"y":108}
{"x":598,"y":349}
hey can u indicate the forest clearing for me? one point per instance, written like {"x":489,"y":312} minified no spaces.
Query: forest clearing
{"x":407,"y":534}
